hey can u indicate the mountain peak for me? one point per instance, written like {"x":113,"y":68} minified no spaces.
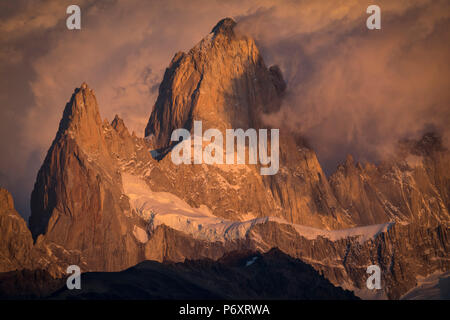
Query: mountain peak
{"x":81,"y":117}
{"x":208,"y":84}
{"x":120,"y":126}
{"x":6,"y":199}
{"x":224,"y":26}
{"x":349,"y":161}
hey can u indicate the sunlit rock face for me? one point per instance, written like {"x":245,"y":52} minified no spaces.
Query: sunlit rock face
{"x":413,"y":186}
{"x":18,"y":252}
{"x":222,"y":81}
{"x":15,"y":238}
{"x":77,"y":200}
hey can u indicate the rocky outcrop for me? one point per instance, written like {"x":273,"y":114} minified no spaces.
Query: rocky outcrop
{"x":15,"y":237}
{"x":413,"y":186}
{"x":18,"y":252}
{"x":405,"y":253}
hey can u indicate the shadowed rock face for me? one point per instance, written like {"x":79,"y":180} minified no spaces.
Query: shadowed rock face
{"x":28,"y":284}
{"x":243,"y":275}
{"x":82,"y":215}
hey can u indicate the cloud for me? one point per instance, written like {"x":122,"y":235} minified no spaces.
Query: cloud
{"x":352,"y":90}
{"x":121,"y":52}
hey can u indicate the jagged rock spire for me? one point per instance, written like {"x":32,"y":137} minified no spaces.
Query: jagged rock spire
{"x":224,"y":26}
{"x":222,"y":81}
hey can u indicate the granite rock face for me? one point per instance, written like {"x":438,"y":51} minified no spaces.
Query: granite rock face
{"x":19,"y":252}
{"x":76,"y":201}
{"x":404,"y":253}
{"x":15,"y":237}
{"x":413,"y":186}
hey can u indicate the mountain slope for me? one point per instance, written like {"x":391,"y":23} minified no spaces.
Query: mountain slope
{"x":414,"y":186}
{"x":15,"y":237}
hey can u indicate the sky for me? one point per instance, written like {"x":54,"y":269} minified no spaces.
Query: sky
{"x":350,"y":90}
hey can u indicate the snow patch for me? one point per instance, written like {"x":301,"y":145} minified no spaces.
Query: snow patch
{"x":251,"y":261}
{"x":364,"y":233}
{"x":140,"y":234}
{"x":247,"y":216}
{"x":165,"y":208}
